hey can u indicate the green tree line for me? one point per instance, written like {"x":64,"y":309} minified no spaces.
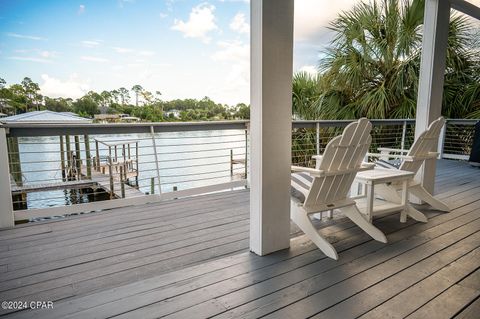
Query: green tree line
{"x":148,"y":106}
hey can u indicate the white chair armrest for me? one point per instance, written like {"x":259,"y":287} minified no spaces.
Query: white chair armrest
{"x":367,"y":166}
{"x":318,"y":160}
{"x":393,"y":150}
{"x":404,"y":157}
{"x":320,"y":173}
{"x":313,"y":172}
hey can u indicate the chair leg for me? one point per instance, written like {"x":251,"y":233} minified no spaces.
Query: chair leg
{"x":416,"y":214}
{"x":424,"y":195}
{"x":355,"y":215}
{"x":305,"y":224}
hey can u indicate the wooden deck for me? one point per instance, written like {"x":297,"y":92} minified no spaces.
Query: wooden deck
{"x":189,"y":258}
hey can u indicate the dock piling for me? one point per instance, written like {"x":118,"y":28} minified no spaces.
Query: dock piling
{"x":78,"y":158}
{"x":97,"y":156}
{"x":88,"y":158}
{"x":122,"y":182}
{"x":152,"y":185}
{"x":110,"y":172}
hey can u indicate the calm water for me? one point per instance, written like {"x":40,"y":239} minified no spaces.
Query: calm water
{"x":186,"y":160}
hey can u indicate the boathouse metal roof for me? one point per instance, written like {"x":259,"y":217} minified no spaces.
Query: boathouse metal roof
{"x":45,"y":116}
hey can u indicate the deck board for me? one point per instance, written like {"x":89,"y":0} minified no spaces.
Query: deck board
{"x":189,"y":258}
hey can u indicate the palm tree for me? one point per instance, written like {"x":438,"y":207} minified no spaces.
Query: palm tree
{"x":372,"y":65}
{"x":305,"y":93}
{"x":137,"y":89}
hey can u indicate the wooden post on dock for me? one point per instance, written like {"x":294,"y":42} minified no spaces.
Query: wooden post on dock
{"x":88,"y":158}
{"x":122,"y":184}
{"x":97,"y":156}
{"x":62,"y":158}
{"x":78,"y":158}
{"x":110,"y":172}
{"x":152,"y":185}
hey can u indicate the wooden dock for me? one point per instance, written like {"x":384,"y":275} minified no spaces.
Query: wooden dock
{"x":30,"y":188}
{"x":103,"y":180}
{"x":97,"y":180}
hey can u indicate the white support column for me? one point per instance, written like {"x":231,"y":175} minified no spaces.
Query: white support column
{"x":270,"y":124}
{"x":432,"y":73}
{"x":6,"y":208}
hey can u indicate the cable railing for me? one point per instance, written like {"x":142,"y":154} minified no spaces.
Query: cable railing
{"x":58,"y":170}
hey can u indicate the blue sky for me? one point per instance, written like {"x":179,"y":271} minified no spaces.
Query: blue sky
{"x":182,"y":48}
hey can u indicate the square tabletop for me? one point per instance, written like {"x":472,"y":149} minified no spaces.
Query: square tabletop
{"x":383,"y":175}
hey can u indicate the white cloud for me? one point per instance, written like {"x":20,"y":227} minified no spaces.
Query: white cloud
{"x":235,"y":51}
{"x":48,"y":54}
{"x":23,"y":36}
{"x":72,"y":87}
{"x":91,"y":43}
{"x":162,"y":15}
{"x":239,"y":24}
{"x":310,"y":69}
{"x":93,"y":58}
{"x":146,"y":53}
{"x":81,"y":9}
{"x":201,"y":21}
{"x":122,"y":50}
{"x":117,"y":67}
{"x":236,"y":83}
{"x":29,"y":59}
{"x":313,"y":16}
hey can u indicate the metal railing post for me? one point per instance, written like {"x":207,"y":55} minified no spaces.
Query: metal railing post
{"x":318,"y":138}
{"x":152,"y":131}
{"x":246,"y":153}
{"x":6,"y":209}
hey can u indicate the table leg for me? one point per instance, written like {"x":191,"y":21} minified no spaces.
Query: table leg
{"x":370,"y":198}
{"x":330,"y":213}
{"x":403,"y":214}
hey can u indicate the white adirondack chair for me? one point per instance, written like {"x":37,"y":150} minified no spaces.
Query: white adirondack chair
{"x":411,"y":160}
{"x":327,"y":187}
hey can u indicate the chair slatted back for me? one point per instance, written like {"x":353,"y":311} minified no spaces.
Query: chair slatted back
{"x":427,"y":142}
{"x":344,"y":152}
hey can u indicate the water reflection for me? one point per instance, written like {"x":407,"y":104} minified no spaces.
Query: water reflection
{"x":185,"y":160}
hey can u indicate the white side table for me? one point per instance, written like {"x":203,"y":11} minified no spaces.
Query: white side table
{"x":377,"y":176}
